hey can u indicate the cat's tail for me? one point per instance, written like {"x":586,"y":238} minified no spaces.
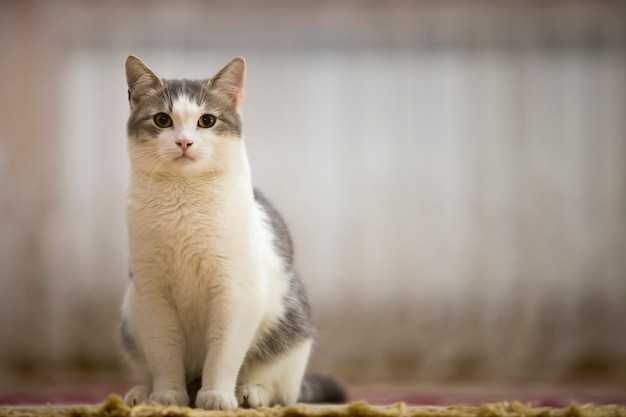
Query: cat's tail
{"x":314,"y":389}
{"x":321,"y":389}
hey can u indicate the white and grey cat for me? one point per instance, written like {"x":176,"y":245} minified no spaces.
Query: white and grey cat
{"x":215,"y":314}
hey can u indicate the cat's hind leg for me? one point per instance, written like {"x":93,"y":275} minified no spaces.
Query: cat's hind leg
{"x":274,"y":382}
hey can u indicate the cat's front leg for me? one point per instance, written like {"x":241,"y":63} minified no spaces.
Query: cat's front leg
{"x":162,"y":340}
{"x":137,"y":395}
{"x":230,"y":335}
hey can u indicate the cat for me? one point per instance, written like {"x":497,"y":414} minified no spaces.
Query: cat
{"x":215,"y":314}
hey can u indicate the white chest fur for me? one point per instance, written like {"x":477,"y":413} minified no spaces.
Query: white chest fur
{"x":183,"y":230}
{"x":192,"y":239}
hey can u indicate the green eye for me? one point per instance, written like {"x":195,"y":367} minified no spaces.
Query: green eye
{"x":163,"y":120}
{"x":206,"y":121}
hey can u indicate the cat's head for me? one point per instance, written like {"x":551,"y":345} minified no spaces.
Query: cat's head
{"x":183,"y":127}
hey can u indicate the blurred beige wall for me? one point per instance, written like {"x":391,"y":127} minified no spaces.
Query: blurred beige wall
{"x":454,"y":175}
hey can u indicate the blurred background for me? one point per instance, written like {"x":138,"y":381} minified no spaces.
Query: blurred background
{"x":454,"y":175}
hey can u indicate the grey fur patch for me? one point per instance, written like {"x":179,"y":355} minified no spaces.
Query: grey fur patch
{"x":293,"y":327}
{"x":283,"y":243}
{"x":162,"y":98}
{"x":296,"y":324}
{"x":128,"y":341}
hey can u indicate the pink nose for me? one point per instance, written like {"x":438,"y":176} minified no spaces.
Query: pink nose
{"x":184,"y":143}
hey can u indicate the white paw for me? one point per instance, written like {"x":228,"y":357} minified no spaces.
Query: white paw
{"x":137,"y":395}
{"x":216,"y":400}
{"x":253,"y":396}
{"x":170,"y":397}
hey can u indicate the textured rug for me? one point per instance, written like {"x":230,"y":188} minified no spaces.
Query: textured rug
{"x":114,"y":407}
{"x":63,"y":391}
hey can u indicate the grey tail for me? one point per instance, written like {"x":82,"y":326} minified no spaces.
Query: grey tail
{"x":314,"y":389}
{"x":321,"y":389}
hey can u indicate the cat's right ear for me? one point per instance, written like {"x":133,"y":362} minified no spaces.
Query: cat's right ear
{"x":140,"y":80}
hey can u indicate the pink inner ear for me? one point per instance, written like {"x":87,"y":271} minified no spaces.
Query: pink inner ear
{"x":231,"y":81}
{"x":234,"y":88}
{"x":238,"y":99}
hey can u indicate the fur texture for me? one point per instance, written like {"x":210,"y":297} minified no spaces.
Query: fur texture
{"x":215,"y":313}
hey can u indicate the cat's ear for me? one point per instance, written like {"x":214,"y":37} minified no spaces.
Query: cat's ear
{"x":230,"y":81}
{"x":140,"y":79}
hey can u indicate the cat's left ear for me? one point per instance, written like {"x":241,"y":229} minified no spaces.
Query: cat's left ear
{"x":230,"y":80}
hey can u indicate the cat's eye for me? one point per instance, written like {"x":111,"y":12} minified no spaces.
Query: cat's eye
{"x":206,"y":121}
{"x":163,"y":120}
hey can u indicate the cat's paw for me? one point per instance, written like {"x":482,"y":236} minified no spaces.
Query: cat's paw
{"x":137,"y":395}
{"x":253,"y":396}
{"x":216,"y":400}
{"x":170,"y":397}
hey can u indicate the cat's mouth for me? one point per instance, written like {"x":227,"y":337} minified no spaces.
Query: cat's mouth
{"x":184,"y":158}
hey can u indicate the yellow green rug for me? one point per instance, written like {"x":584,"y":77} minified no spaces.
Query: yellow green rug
{"x":115,"y":407}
